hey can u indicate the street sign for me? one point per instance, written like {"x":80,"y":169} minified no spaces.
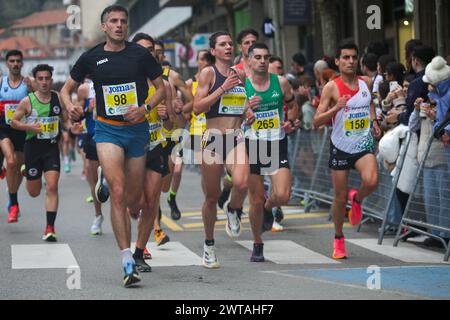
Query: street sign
{"x":268,"y":28}
{"x":199,"y":41}
{"x":297,"y":12}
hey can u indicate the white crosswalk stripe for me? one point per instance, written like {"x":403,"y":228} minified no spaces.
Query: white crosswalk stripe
{"x":289,"y":252}
{"x":54,"y":256}
{"x":45,"y":256}
{"x":170,"y":255}
{"x":405,"y":252}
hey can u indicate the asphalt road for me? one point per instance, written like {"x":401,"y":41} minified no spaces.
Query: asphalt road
{"x":97,"y":272}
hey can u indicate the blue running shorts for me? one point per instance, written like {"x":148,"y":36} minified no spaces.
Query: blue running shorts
{"x":132,"y":139}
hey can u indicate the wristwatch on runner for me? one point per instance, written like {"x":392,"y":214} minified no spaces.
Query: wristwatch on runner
{"x":147,"y":108}
{"x":375,"y":120}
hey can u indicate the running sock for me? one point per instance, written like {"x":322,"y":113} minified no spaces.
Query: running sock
{"x":338,"y":237}
{"x":138,"y":253}
{"x":66,"y":160}
{"x":232,"y":210}
{"x":13,"y":199}
{"x":229,"y":178}
{"x":51,"y":217}
{"x":172,"y":195}
{"x":209,"y":242}
{"x":265,"y":209}
{"x":127,"y":256}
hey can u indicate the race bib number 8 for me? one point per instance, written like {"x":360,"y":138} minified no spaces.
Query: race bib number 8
{"x":155,"y":133}
{"x":118,"y":98}
{"x":49,"y":127}
{"x":155,"y":136}
{"x":233,"y":102}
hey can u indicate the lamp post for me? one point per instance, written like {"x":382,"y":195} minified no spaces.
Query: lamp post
{"x":440,"y":28}
{"x":275,"y":8}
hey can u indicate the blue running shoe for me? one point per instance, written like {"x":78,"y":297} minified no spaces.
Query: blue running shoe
{"x":131,"y":275}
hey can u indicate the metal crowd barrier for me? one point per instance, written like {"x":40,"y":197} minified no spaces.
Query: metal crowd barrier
{"x":428,"y":208}
{"x":312,"y":179}
{"x":309,"y":166}
{"x":378,"y":204}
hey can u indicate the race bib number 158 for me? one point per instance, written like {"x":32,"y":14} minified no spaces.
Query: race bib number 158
{"x":356,"y":125}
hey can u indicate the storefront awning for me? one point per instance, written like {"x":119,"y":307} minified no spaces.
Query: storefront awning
{"x":167,"y":19}
{"x":176,"y":3}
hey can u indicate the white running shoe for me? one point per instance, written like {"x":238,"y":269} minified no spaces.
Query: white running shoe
{"x":209,"y":257}
{"x":96,"y":228}
{"x":233,"y":225}
{"x":276,"y":227}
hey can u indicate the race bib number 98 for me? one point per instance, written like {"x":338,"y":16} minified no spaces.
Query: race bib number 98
{"x":118,"y":98}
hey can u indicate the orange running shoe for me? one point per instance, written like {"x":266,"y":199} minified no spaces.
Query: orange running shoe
{"x":276,"y":227}
{"x":14,"y":214}
{"x":49,"y":235}
{"x":339,"y":251}
{"x":2,"y":173}
{"x":355,"y":214}
{"x":161,"y":237}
